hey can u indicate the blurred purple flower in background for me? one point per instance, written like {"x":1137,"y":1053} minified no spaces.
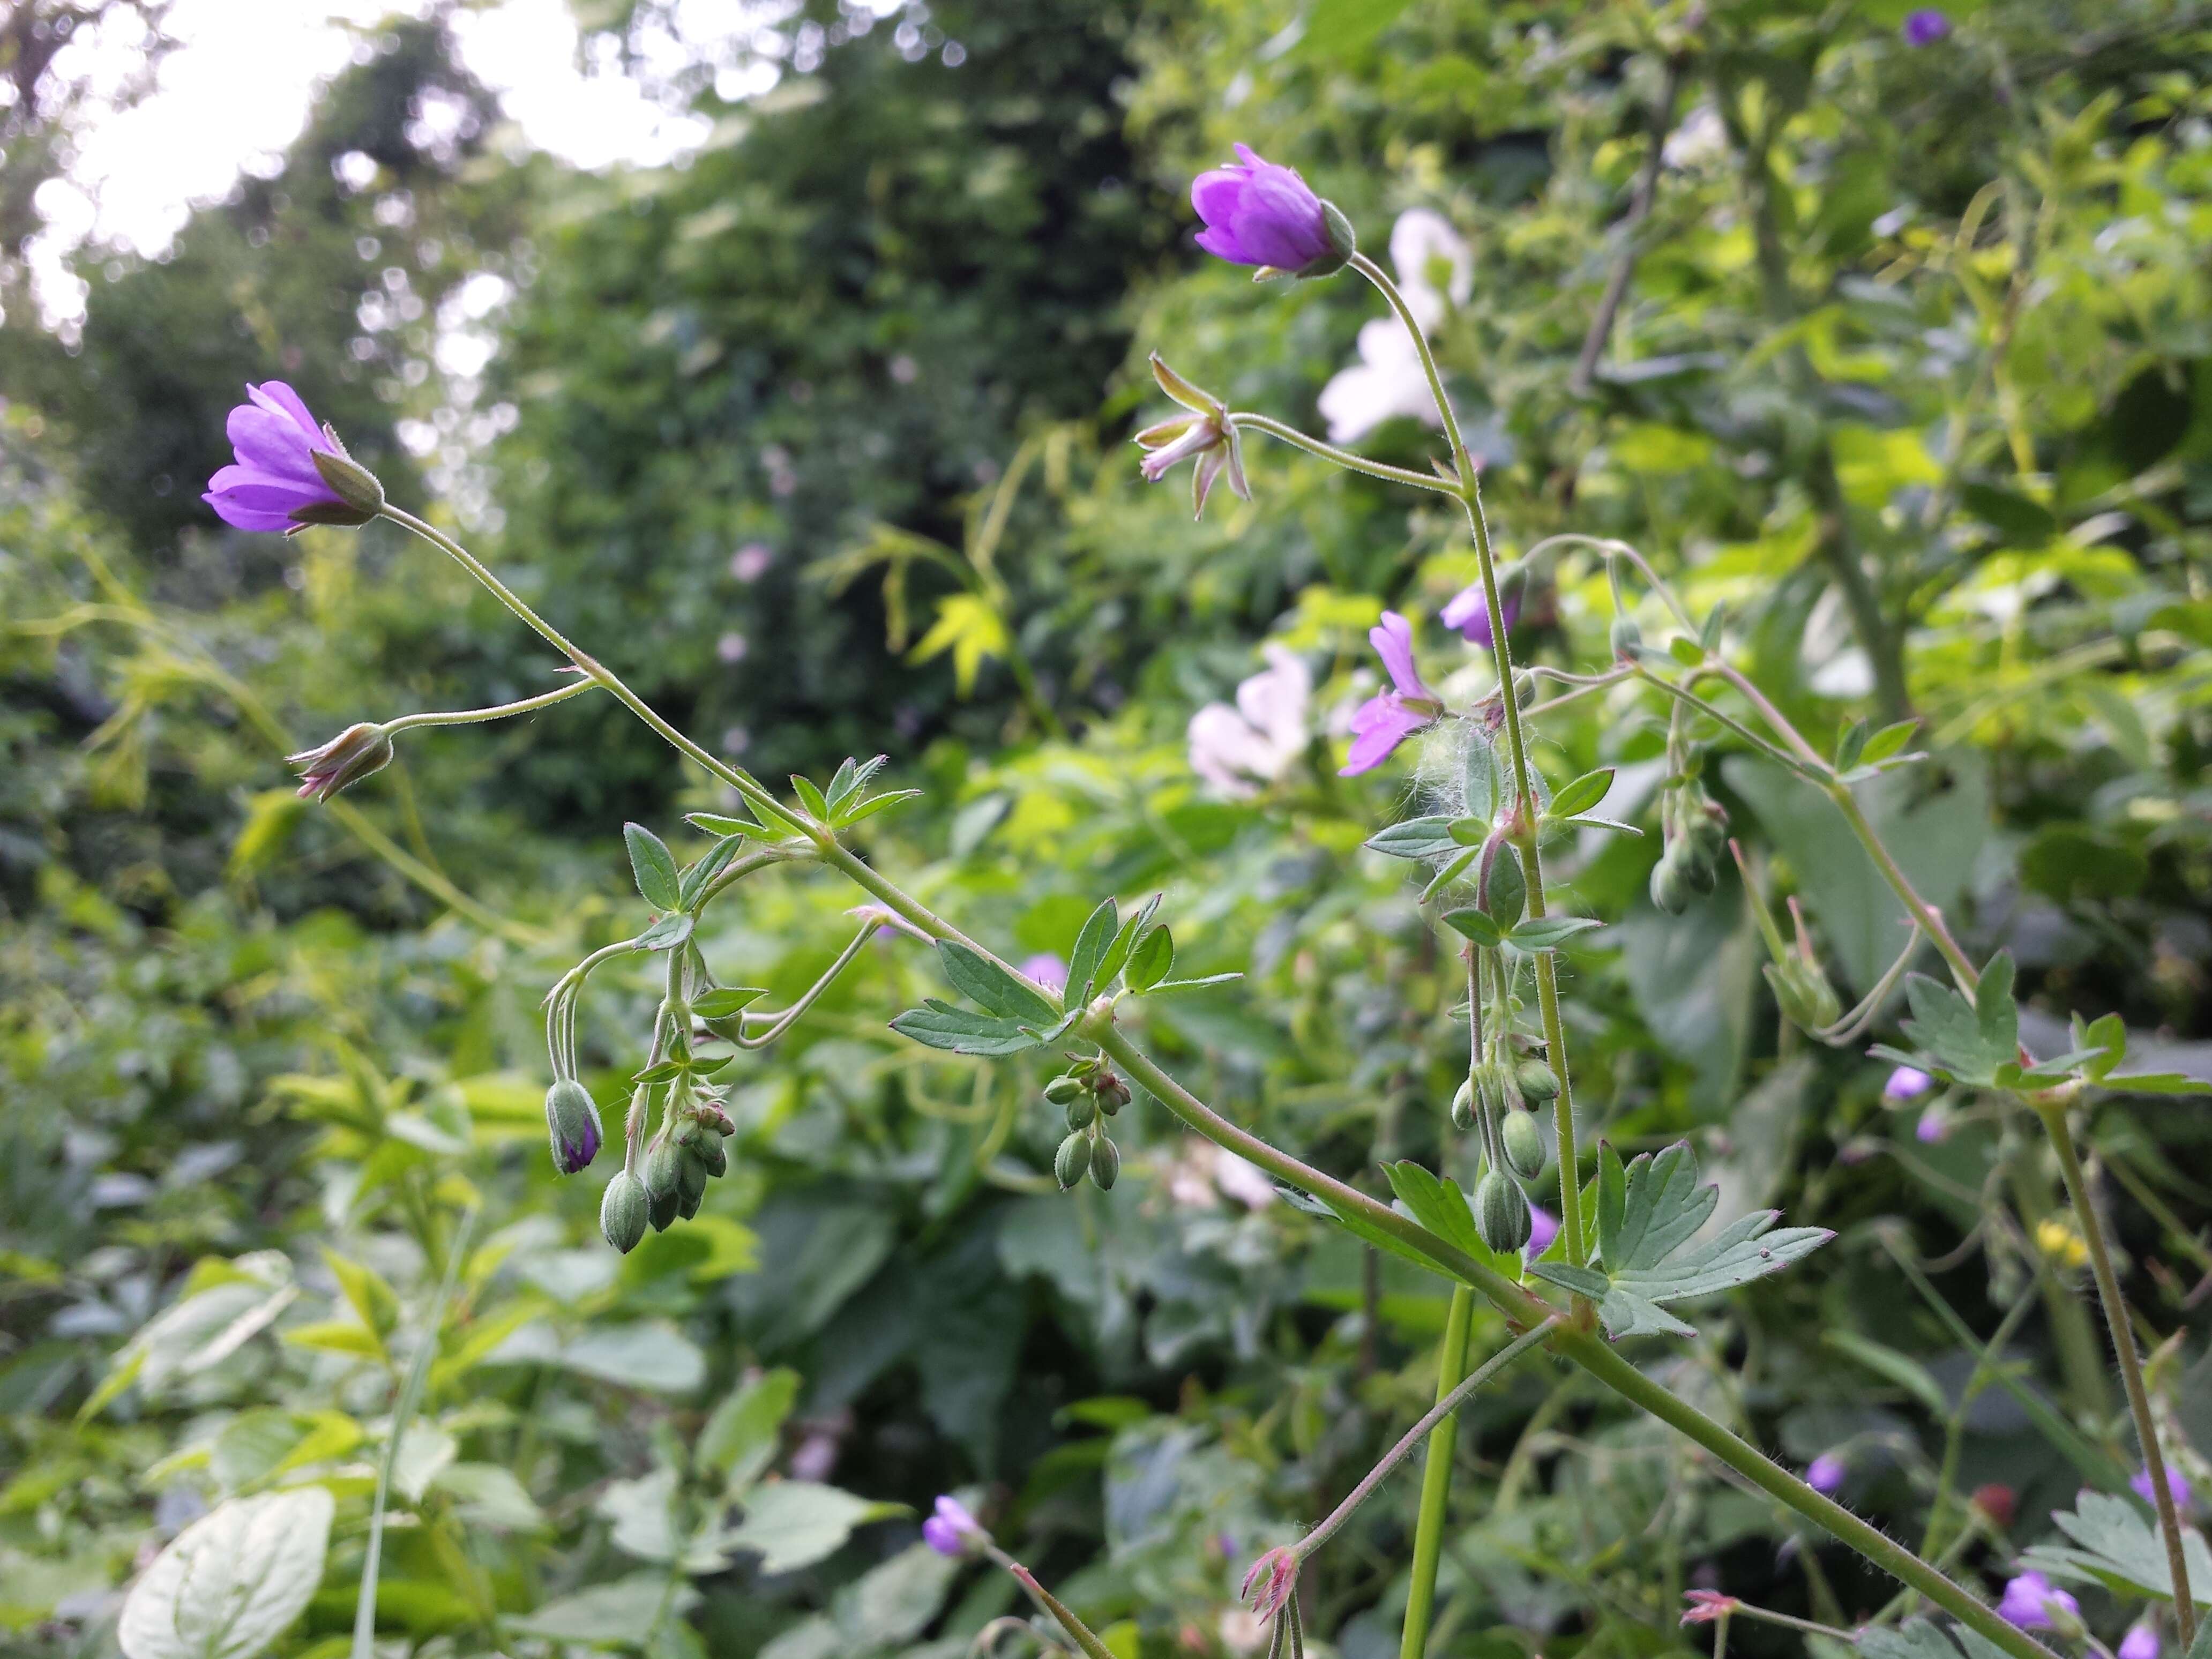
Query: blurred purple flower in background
{"x":1825,"y":1474}
{"x":2031,"y":1599}
{"x":2176,"y":1486}
{"x":949,"y":1529}
{"x":1925,"y":27}
{"x":2140,"y":1641}
{"x":1543,"y":1227}
{"x":1907,"y":1083}
{"x":1047,"y":970}
{"x":1469,"y":612}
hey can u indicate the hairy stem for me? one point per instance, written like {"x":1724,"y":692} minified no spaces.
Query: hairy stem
{"x":1436,"y":1478}
{"x":1343,"y":458}
{"x":502,"y":711}
{"x":1547,"y":982}
{"x":2053,"y":1113}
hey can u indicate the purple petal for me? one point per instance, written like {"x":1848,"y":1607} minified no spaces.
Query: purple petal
{"x":1392,"y":639}
{"x":1543,"y":1227}
{"x":2140,"y":1641}
{"x":271,"y":443}
{"x":1378,"y":726}
{"x":943,"y":1537}
{"x":951,"y":1509}
{"x":280,"y":399}
{"x":1925,"y":28}
{"x":247,"y":518}
{"x":1469,"y":612}
{"x":1825,"y":1474}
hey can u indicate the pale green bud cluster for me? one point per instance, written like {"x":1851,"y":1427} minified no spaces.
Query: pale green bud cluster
{"x":1089,"y":1093}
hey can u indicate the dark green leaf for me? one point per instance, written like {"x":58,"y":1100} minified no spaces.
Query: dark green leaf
{"x":1170,"y":987}
{"x":1150,"y":962}
{"x":1509,"y":889}
{"x":811,"y":798}
{"x":939,"y":1026}
{"x":1450,"y":873}
{"x":716,"y":824}
{"x":1474,"y":924}
{"x":1584,"y":792}
{"x":1851,"y":743}
{"x":1091,"y":946}
{"x":875,"y":804}
{"x":726,"y":999}
{"x":983,"y":980}
{"x":1549,"y":932}
{"x":1994,"y":1011}
{"x":1439,"y":1206}
{"x":654,"y":865}
{"x":670,"y":931}
{"x":699,"y":876}
{"x":1416,"y":838}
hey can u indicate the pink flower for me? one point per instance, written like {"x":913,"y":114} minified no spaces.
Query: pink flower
{"x":1706,"y":1606}
{"x":1268,"y":1585}
{"x":1543,"y":1227}
{"x":1047,"y":970}
{"x":2140,"y":1641}
{"x":1262,"y":736}
{"x":1469,"y":612}
{"x":359,"y":751}
{"x":1388,"y":717}
{"x":2030,"y":1602}
{"x":1907,"y":1083}
{"x":2176,"y":1486}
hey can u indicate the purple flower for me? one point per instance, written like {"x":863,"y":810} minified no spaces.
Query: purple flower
{"x":1469,"y":612}
{"x":2176,"y":1486}
{"x":1388,"y":717}
{"x":1932,"y":1127}
{"x":2140,"y":1641}
{"x":1543,"y":1227}
{"x":573,"y":1123}
{"x":1907,"y":1083}
{"x":2031,"y":1600}
{"x":1825,"y":1474}
{"x":951,"y":1528}
{"x":278,"y":483}
{"x":1205,"y":430}
{"x":1925,"y":27}
{"x":1047,"y":970}
{"x":1259,"y":214}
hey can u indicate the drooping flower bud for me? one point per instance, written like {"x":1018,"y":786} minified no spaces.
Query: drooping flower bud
{"x":359,"y":751}
{"x":1524,"y":1146}
{"x":690,"y":1183}
{"x":713,"y":1156}
{"x":658,"y":1170}
{"x":1539,"y":1083}
{"x":1072,"y":1161}
{"x":1462,"y":1106}
{"x":623,"y":1212}
{"x":1082,"y":1111}
{"x":1105,"y":1164}
{"x":1063,"y":1089}
{"x":1501,"y":1213}
{"x":572,"y":1121}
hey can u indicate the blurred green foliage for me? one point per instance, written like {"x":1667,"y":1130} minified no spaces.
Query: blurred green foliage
{"x":1910,"y":371}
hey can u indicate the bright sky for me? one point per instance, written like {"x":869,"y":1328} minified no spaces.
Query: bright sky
{"x":238,"y":88}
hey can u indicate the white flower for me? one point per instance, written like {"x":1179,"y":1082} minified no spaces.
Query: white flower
{"x":1236,"y":750}
{"x":1700,"y":140}
{"x":1387,"y":381}
{"x":1248,"y":1184}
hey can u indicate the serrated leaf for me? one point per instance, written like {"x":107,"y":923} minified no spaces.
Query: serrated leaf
{"x":1947,"y":1030}
{"x":1150,"y":960}
{"x":1000,"y":992}
{"x":1584,"y":792}
{"x":1920,"y":1639}
{"x":665,"y":934}
{"x":1090,"y":950}
{"x":1890,"y":740}
{"x":957,"y":1030}
{"x":1647,"y":1214}
{"x":653,"y":866}
{"x":229,"y":1584}
{"x":2114,"y":1543}
{"x":1419,"y":839}
{"x":1549,"y":932}
{"x":1476,"y":926}
{"x":726,"y":999}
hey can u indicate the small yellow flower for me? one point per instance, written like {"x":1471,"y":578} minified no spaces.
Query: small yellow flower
{"x":2058,"y":1239}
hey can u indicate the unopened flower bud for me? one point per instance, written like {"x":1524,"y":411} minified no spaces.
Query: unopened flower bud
{"x":1105,"y":1164}
{"x":1113,"y":1093}
{"x":1524,"y":1146}
{"x":621,"y":1211}
{"x":660,"y":1168}
{"x":1625,"y":635}
{"x":1539,"y":1083}
{"x":1501,"y":1213}
{"x":1524,"y":688}
{"x":690,"y":1183}
{"x":1462,"y":1107}
{"x":1072,"y":1161}
{"x":1803,"y":994}
{"x":1063,"y":1089}
{"x":712,"y":1114}
{"x":573,"y":1123}
{"x":1670,"y":888}
{"x":712,"y":1156}
{"x":355,"y":753}
{"x":1082,"y":1112}
{"x":692,"y":1132}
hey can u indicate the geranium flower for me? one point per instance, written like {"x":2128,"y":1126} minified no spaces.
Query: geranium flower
{"x":2031,"y":1601}
{"x":1257,"y":213}
{"x":1237,"y":749}
{"x":289,"y":472}
{"x":1388,"y":717}
{"x":952,"y":1528}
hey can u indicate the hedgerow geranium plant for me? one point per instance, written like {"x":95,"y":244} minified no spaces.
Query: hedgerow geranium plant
{"x":1626,"y":1246}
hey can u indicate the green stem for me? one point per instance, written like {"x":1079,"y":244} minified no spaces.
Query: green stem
{"x":2053,"y":1113}
{"x":1436,"y":1478}
{"x":1548,"y":984}
{"x":1585,"y":1348}
{"x":478,"y":716}
{"x":1343,"y":458}
{"x":411,"y":1395}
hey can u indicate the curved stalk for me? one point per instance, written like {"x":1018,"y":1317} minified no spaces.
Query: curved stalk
{"x":1435,"y":1478}
{"x":1573,"y":1245}
{"x":502,"y":711}
{"x":779,"y":1023}
{"x":1346,"y":459}
{"x":2053,"y":1113}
